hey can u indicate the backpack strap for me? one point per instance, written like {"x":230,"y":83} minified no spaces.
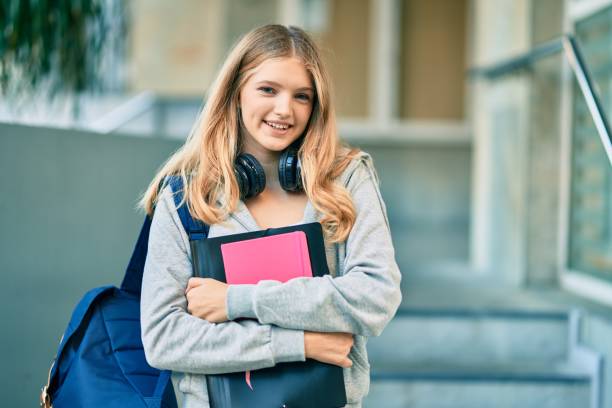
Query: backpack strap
{"x":196,"y":230}
{"x":132,"y":280}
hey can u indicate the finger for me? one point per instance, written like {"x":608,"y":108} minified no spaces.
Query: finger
{"x":193,"y":283}
{"x":213,"y":318}
{"x":189,"y":298}
{"x":347,"y":363}
{"x":209,"y":281}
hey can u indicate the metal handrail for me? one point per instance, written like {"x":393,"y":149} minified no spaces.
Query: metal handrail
{"x":510,"y":65}
{"x":573,"y":53}
{"x":122,"y":114}
{"x":579,"y":66}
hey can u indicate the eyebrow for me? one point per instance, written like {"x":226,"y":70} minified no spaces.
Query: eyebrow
{"x":307,"y":88}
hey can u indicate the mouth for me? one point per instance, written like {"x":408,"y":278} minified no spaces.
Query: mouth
{"x":278,"y":127}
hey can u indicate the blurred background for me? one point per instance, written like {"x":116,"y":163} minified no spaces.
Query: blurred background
{"x":498,"y":187}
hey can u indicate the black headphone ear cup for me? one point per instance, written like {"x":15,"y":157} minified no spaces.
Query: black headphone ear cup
{"x":288,"y":166}
{"x":243,"y":180}
{"x":253,"y":173}
{"x":298,"y":175}
{"x":282,"y":172}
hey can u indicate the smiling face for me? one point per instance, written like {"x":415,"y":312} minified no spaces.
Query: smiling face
{"x":276,"y":103}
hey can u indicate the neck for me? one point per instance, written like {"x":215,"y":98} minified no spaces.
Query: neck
{"x":268,"y":160}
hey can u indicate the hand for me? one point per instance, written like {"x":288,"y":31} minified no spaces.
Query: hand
{"x":331,"y":348}
{"x":206,"y":299}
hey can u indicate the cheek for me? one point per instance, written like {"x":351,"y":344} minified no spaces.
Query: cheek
{"x":250,"y":104}
{"x":251,"y":117}
{"x":305,"y":115}
{"x":259,"y":112}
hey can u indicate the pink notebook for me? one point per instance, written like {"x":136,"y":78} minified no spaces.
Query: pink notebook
{"x":276,"y":257}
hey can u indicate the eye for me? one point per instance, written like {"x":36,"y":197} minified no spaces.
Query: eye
{"x":266,"y":89}
{"x":304,"y":97}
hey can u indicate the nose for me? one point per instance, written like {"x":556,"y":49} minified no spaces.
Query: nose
{"x":282,"y":107}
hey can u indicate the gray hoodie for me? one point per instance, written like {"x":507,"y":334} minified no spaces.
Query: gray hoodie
{"x":360,"y":296}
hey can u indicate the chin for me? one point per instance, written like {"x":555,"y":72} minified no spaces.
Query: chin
{"x":275,"y":144}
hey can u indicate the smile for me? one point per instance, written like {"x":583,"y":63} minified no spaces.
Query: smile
{"x":277,"y":126}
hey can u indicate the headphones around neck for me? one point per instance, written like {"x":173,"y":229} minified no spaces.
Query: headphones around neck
{"x":252,"y":178}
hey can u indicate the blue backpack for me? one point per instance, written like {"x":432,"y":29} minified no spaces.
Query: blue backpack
{"x":100,"y":360}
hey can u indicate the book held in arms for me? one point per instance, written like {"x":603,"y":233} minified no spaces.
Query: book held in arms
{"x":280,"y":254}
{"x":275,"y":257}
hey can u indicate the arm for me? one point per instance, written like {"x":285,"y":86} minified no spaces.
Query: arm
{"x":175,"y":340}
{"x":361,"y":301}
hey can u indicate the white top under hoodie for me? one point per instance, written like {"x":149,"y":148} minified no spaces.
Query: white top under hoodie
{"x":360,"y":296}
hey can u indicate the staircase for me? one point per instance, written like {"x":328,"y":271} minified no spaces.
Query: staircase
{"x":481,"y":347}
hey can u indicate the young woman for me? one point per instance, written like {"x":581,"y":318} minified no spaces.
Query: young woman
{"x":272,"y":93}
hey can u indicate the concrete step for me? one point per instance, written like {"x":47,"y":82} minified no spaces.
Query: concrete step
{"x":534,"y":385}
{"x":471,"y":336}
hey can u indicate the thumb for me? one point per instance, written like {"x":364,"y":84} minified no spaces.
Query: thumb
{"x":348,"y":363}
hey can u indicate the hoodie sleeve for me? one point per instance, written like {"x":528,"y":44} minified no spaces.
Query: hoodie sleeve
{"x":360,"y":301}
{"x":175,"y":340}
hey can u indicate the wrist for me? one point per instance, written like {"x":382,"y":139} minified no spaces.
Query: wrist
{"x":308,"y":344}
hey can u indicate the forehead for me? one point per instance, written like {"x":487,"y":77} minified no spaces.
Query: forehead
{"x":290,"y":72}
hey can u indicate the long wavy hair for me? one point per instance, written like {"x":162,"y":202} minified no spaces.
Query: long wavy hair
{"x":206,"y":160}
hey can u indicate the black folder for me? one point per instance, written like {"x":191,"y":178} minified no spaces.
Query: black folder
{"x":208,"y":261}
{"x":309,"y":384}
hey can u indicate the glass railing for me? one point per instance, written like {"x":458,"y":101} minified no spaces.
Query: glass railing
{"x":589,"y":54}
{"x":590,"y":218}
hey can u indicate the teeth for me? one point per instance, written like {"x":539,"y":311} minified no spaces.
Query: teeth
{"x":275,"y":126}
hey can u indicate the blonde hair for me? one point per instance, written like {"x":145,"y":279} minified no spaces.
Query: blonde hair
{"x":206,"y":160}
